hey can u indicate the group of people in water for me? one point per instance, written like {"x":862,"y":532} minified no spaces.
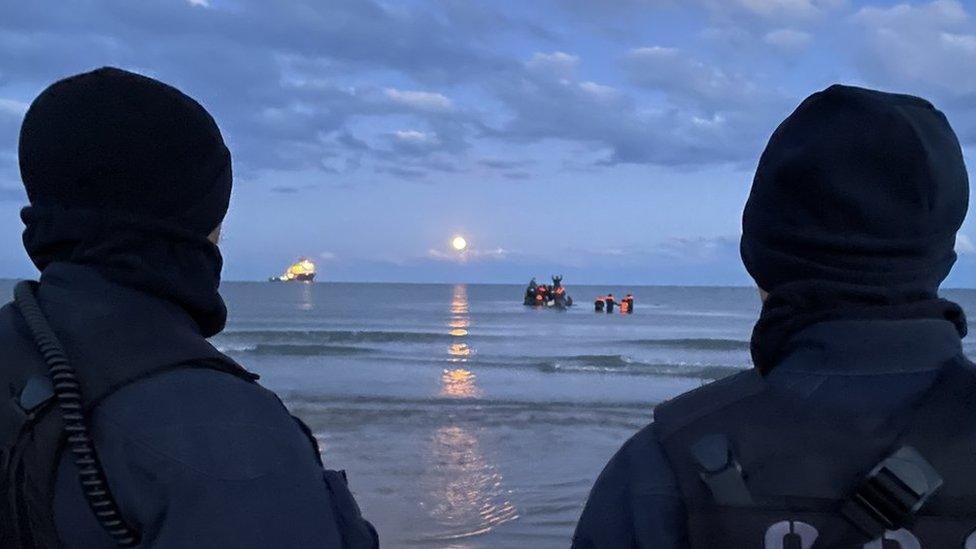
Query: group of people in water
{"x":554,"y":295}
{"x":606,"y":303}
{"x":546,"y":295}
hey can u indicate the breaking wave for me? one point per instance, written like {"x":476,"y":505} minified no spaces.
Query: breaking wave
{"x":279,"y":349}
{"x":622,"y":365}
{"x":332,"y":336}
{"x":694,"y":344}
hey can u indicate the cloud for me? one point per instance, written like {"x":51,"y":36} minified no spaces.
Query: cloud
{"x":470,"y":254}
{"x":284,"y":81}
{"x":790,"y":40}
{"x":711,"y":115}
{"x":13,"y":107}
{"x":930,"y":46}
{"x":965,"y":245}
{"x":927,"y":49}
{"x":687,"y":79}
{"x":424,"y":101}
{"x":780,"y":9}
{"x":700,"y":250}
{"x":558,"y":64}
{"x":415,"y":142}
{"x":502,"y":164}
{"x":767,"y":11}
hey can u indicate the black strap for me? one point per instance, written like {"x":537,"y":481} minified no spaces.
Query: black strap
{"x":70,"y":401}
{"x":892,"y":493}
{"x":897,"y":488}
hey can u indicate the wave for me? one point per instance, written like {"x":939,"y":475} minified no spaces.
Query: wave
{"x":333,"y":336}
{"x":623,"y":365}
{"x":295,"y":350}
{"x":611,"y":364}
{"x":695,"y":344}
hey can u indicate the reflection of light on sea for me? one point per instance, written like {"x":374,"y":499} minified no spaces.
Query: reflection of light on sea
{"x":459,"y":305}
{"x":459,"y":323}
{"x":459,"y":352}
{"x":307,"y":303}
{"x":469,"y":498}
{"x":462,"y":491}
{"x":459,"y":383}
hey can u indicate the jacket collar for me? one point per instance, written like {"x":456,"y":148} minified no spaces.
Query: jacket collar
{"x":871,"y":347}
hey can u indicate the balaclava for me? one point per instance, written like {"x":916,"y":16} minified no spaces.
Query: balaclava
{"x":854,"y":209}
{"x":128,"y":175}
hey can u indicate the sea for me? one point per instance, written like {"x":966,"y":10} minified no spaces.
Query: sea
{"x":465,"y":419}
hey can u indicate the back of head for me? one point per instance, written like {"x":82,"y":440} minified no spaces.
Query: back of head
{"x":121,"y":143}
{"x":128,"y":176}
{"x":857,"y":187}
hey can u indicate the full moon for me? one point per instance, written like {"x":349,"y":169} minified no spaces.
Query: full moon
{"x":459,"y":243}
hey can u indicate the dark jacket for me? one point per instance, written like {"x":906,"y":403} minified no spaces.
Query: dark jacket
{"x":845,"y":368}
{"x":195,"y":456}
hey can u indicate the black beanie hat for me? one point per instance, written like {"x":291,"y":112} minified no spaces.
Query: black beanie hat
{"x":857,"y":187}
{"x":118,"y":142}
{"x":128,"y":176}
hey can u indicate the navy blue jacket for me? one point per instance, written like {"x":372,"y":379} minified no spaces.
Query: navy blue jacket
{"x":195,"y":457}
{"x":848,"y":366}
{"x":199,"y":458}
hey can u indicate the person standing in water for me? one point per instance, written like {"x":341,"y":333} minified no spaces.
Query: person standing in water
{"x":629,"y":300}
{"x":610,"y":302}
{"x":855,"y":427}
{"x":148,"y":435}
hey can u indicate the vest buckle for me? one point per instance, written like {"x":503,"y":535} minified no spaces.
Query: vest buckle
{"x":720,"y":471}
{"x":892,"y":493}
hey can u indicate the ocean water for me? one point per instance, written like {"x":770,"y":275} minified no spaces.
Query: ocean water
{"x":466,"y":420}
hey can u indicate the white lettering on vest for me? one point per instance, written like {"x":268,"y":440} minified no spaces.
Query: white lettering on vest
{"x":777,"y":533}
{"x":904,"y":538}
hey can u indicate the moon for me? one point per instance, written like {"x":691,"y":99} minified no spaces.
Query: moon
{"x":459,"y":243}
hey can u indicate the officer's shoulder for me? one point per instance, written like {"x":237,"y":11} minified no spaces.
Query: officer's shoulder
{"x":198,"y":393}
{"x":207,"y":422}
{"x":678,"y":412}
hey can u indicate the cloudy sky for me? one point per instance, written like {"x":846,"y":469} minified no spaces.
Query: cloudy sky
{"x":609,"y":140}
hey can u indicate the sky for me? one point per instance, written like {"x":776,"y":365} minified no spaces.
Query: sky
{"x":611,"y":141}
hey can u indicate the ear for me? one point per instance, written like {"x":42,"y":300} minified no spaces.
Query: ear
{"x":215,"y":235}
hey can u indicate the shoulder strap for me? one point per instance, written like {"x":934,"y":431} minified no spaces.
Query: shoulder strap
{"x":69,"y":399}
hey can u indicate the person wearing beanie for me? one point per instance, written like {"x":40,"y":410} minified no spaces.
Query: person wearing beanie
{"x":855,"y":427}
{"x":120,"y":425}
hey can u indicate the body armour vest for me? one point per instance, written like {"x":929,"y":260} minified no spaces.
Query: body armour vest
{"x":757,"y":469}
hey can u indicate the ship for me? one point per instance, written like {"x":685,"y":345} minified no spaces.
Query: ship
{"x":302,"y":270}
